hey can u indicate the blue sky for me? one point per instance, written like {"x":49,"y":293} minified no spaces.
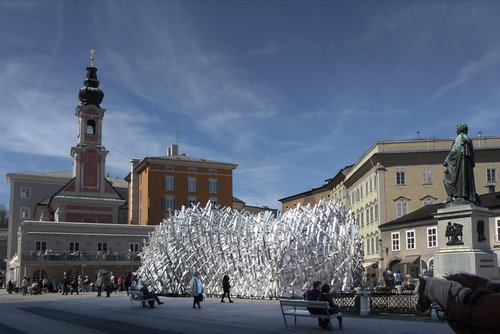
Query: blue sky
{"x":290,"y":91}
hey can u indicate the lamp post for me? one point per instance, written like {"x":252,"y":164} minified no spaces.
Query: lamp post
{"x":381,"y":261}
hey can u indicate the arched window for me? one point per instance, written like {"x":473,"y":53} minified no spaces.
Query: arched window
{"x":91,"y":127}
{"x":39,"y":274}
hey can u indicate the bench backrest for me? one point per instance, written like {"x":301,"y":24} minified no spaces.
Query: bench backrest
{"x":135,"y":294}
{"x":304,"y":303}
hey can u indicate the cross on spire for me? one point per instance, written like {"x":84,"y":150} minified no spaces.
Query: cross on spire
{"x":92,"y":57}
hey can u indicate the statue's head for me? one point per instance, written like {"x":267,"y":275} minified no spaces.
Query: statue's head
{"x":462,"y":128}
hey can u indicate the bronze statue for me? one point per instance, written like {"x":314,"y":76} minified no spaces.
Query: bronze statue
{"x":459,"y":174}
{"x":480,"y":231}
{"x":454,"y":233}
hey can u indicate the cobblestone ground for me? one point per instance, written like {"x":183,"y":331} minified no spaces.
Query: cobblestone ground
{"x":86,"y":313}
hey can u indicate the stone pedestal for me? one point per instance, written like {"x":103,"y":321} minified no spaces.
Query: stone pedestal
{"x":472,"y":251}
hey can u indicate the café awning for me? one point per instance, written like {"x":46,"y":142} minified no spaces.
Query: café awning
{"x":368,"y":264}
{"x":409,"y":259}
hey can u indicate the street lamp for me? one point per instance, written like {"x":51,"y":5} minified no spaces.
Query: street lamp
{"x":381,"y":261}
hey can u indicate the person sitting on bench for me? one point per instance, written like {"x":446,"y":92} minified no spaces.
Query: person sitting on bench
{"x":334,"y":308}
{"x":313,"y":295}
{"x":148,"y":295}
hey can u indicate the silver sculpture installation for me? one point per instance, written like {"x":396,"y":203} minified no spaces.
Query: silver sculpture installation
{"x":267,"y":256}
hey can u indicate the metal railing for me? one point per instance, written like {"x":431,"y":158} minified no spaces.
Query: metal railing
{"x":380,"y":302}
{"x":81,"y":256}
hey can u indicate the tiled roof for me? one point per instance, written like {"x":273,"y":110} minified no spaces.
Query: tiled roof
{"x":490,"y":201}
{"x":115,"y":181}
{"x":63,"y":174}
{"x":188,"y":158}
{"x":423,"y":213}
{"x":237,"y":200}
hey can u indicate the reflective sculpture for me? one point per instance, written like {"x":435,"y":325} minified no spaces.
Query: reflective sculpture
{"x":266,"y":256}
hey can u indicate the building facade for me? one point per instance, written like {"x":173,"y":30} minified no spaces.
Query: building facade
{"x":410,"y":242}
{"x":160,"y":185}
{"x":332,"y":189}
{"x":394,"y":178}
{"x":47,"y":249}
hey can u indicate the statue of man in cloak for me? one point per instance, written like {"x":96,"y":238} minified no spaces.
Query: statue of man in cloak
{"x":459,"y":174}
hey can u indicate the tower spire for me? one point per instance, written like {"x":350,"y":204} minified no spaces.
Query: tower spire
{"x":90,"y":92}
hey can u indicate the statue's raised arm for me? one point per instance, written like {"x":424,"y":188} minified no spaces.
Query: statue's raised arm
{"x":459,"y":174}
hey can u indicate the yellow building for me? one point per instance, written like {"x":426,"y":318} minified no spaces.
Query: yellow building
{"x":160,"y":185}
{"x":331,"y":189}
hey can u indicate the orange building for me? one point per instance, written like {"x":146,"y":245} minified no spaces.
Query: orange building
{"x":160,"y":185}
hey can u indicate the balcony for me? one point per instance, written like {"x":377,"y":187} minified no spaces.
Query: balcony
{"x":80,"y":256}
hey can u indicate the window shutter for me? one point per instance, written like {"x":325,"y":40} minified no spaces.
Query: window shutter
{"x":208,"y":186}
{"x":164,"y":204}
{"x":186,"y":184}
{"x":175,"y":183}
{"x":196,"y":184}
{"x":187,"y":203}
{"x":164,"y":183}
{"x":175,"y":204}
{"x":218,"y":185}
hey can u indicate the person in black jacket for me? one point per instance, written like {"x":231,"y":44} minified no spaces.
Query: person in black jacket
{"x":226,"y":286}
{"x":10,"y":287}
{"x":66,"y":282}
{"x":148,"y":295}
{"x":333,"y":308}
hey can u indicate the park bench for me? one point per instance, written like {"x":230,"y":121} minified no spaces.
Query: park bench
{"x":300,"y":308}
{"x":138,"y":296}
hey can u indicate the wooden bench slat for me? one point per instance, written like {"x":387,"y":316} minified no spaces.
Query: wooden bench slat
{"x":299,"y":308}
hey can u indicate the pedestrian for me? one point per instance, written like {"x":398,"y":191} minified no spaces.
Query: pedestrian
{"x":80,"y":283}
{"x":226,"y":286}
{"x":370,"y":282}
{"x":99,"y":283}
{"x":45,"y":284}
{"x":120,"y":283}
{"x":66,"y":283}
{"x":86,"y":284}
{"x":398,"y":277}
{"x":74,"y":285}
{"x":24,"y":285}
{"x":388,"y":279}
{"x":128,"y":280}
{"x":113,"y":282}
{"x":106,"y":283}
{"x":10,"y":286}
{"x":196,"y":289}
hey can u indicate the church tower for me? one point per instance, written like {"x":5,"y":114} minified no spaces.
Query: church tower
{"x":89,"y":196}
{"x":89,"y":156}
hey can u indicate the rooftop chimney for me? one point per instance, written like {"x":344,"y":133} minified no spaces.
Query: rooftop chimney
{"x":173,"y":150}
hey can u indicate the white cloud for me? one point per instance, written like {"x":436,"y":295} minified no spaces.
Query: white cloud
{"x":468,"y":71}
{"x":269,"y":49}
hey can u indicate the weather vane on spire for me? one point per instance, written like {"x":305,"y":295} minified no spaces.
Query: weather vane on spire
{"x":92,"y":57}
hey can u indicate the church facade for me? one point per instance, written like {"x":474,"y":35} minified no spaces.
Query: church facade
{"x":69,"y":221}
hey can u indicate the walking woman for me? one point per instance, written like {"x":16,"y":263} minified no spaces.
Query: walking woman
{"x":196,"y":289}
{"x":226,"y":286}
